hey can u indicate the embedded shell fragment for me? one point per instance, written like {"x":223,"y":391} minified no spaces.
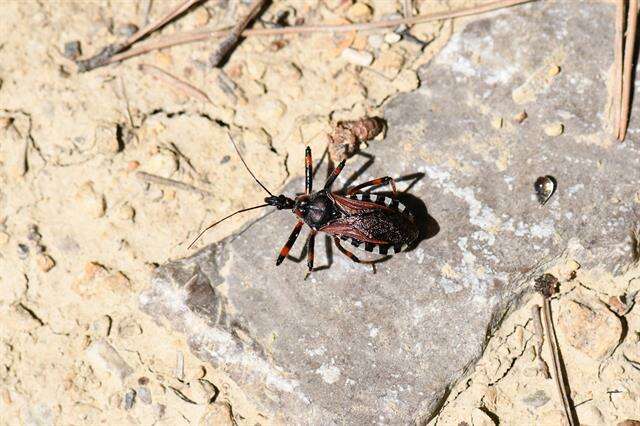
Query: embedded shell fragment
{"x":544,"y":187}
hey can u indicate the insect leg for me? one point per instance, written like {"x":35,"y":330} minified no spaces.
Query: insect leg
{"x":374,"y":183}
{"x":334,"y":175}
{"x":310,"y":251}
{"x":292,"y":239}
{"x":308,"y":171}
{"x":355,"y":258}
{"x":346,"y":252}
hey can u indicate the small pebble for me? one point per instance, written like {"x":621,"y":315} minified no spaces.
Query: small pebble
{"x":72,"y":50}
{"x":375,"y":40}
{"x":163,"y":164}
{"x":406,"y":80}
{"x":127,"y":30}
{"x":105,"y":358}
{"x":554,"y":129}
{"x":155,"y":193}
{"x":129,"y":399}
{"x":520,"y":117}
{"x":480,"y":418}
{"x":132,"y":165}
{"x":357,"y":58}
{"x":389,"y":63}
{"x":553,"y":71}
{"x":256,"y":69}
{"x":144,"y":394}
{"x":107,"y":140}
{"x":4,"y":239}
{"x":567,"y":271}
{"x":34,"y":234}
{"x":359,"y":12}
{"x":23,"y":251}
{"x":129,"y":329}
{"x":271,"y":110}
{"x":45,"y":262}
{"x":196,"y":373}
{"x":91,"y":269}
{"x":496,"y":122}
{"x":359,"y":43}
{"x":617,"y":305}
{"x":277,"y":45}
{"x":394,"y":16}
{"x":91,"y":202}
{"x":392,"y":38}
{"x":102,"y":326}
{"x":126,"y":212}
{"x":163,"y":59}
{"x":201,"y":16}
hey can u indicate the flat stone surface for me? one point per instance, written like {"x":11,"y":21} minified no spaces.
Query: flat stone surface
{"x":350,"y":347}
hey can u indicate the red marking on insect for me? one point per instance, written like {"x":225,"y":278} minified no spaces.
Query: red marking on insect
{"x":372,"y":222}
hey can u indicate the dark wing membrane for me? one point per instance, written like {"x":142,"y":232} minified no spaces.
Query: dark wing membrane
{"x":371,"y":223}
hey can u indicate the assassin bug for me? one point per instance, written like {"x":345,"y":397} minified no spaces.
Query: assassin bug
{"x":373,"y":222}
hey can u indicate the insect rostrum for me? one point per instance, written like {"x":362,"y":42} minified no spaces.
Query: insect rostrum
{"x":372,"y":222}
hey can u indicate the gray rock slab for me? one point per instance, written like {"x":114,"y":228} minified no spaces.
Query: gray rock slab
{"x":350,"y":347}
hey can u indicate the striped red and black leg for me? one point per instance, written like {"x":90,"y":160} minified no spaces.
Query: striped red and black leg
{"x":375,"y":183}
{"x":344,"y":251}
{"x":311,"y":244}
{"x":353,"y":257}
{"x":332,"y":177}
{"x":284,"y":251}
{"x":308,"y":171}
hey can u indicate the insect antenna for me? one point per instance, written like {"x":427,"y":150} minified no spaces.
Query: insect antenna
{"x":248,"y":169}
{"x":223,"y":219}
{"x":239,"y":211}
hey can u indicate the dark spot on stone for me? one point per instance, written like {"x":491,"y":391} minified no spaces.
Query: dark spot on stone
{"x":536,"y":399}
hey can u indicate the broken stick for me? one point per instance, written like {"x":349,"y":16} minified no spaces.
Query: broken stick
{"x":103,"y":57}
{"x":233,"y":37}
{"x":546,"y":285}
{"x":629,"y":51}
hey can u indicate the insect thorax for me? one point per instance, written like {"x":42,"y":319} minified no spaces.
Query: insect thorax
{"x":317,"y":209}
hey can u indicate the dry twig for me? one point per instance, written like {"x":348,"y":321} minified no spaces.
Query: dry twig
{"x":233,"y":37}
{"x":539,"y":333}
{"x":408,"y":8}
{"x":205,"y":34}
{"x":159,"y":180}
{"x":174,"y":82}
{"x":546,"y":285}
{"x":629,"y":51}
{"x":104,"y":56}
{"x":617,"y":53}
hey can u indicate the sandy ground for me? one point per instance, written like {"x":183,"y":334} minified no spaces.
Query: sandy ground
{"x":80,"y":232}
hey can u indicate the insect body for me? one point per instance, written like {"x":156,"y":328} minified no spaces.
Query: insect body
{"x":372,"y":222}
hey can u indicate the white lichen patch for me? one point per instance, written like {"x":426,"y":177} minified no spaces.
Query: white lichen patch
{"x":329,"y":373}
